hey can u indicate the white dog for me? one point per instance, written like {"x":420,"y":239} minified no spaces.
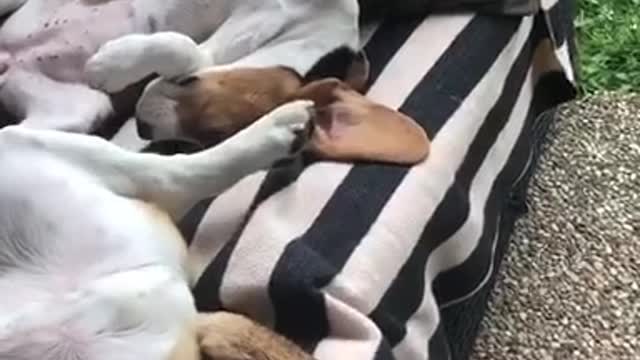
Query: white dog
{"x":45,"y":45}
{"x":91,"y":264}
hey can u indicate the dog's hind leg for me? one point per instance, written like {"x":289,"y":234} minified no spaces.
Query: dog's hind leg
{"x":175,"y":183}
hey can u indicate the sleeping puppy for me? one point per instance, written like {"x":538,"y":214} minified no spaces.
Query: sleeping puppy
{"x":92,"y":266}
{"x":45,"y":45}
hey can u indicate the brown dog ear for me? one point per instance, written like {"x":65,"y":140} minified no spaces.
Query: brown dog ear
{"x":350,"y":127}
{"x":321,"y":92}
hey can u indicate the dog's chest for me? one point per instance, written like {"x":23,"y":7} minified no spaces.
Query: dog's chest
{"x":57,"y":38}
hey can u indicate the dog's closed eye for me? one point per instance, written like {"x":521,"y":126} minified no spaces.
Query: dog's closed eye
{"x":189,"y":80}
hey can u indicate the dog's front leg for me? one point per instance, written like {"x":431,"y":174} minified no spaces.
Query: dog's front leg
{"x":175,"y":183}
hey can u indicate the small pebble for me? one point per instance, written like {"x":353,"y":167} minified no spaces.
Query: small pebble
{"x":569,"y":288}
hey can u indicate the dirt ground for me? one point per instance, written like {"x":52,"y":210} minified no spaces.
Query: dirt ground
{"x":570,"y":286}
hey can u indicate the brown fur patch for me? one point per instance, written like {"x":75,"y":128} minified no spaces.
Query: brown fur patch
{"x":227,"y":336}
{"x":219,"y":104}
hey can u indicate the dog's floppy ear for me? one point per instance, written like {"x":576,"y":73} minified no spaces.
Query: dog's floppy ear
{"x":350,"y":127}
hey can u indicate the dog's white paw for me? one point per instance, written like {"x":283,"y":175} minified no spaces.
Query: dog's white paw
{"x":285,"y":129}
{"x":118,"y":64}
{"x":131,"y":58}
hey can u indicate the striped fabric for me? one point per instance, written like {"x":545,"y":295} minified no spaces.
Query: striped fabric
{"x":372,"y":261}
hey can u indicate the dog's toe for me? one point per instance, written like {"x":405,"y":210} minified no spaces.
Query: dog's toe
{"x":291,"y":124}
{"x":303,"y":136}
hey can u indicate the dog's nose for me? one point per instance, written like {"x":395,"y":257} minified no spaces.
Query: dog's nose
{"x":144,"y":130}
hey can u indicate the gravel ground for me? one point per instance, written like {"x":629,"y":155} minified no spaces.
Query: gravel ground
{"x":570,"y":286}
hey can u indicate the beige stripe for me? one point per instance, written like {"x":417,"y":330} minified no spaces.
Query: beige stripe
{"x":222,"y":219}
{"x":419,"y":53}
{"x":353,"y":334}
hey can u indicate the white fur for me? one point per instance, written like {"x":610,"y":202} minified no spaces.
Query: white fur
{"x":89,"y":270}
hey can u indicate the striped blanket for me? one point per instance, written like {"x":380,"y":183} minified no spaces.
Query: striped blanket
{"x":373,"y":261}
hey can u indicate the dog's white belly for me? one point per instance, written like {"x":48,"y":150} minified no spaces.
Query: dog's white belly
{"x":66,"y":241}
{"x":57,"y":37}
{"x":79,"y":261}
{"x":58,"y":40}
{"x":74,"y":223}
